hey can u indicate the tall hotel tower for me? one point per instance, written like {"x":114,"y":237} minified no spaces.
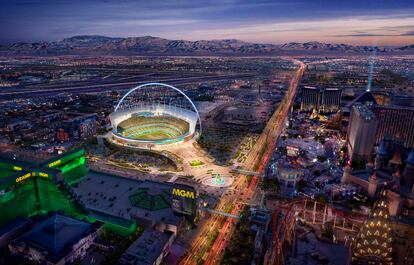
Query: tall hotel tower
{"x":395,"y":122}
{"x":361,"y":131}
{"x":324,"y":100}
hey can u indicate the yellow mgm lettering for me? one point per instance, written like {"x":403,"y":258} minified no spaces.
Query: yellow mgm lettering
{"x":183,"y":193}
{"x":23,"y":177}
{"x":17,"y":168}
{"x":57,"y":162}
{"x":44,"y":175}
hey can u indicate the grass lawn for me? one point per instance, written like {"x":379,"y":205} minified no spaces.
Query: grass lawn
{"x":196,"y":163}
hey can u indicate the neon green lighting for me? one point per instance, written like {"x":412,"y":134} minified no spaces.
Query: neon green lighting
{"x":36,"y":192}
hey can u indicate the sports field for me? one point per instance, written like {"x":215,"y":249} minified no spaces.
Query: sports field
{"x":153,"y":127}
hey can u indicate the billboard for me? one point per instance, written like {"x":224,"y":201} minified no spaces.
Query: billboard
{"x":292,"y":151}
{"x":184,"y":199}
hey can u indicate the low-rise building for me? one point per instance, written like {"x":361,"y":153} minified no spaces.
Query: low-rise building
{"x":57,"y":240}
{"x":149,"y":249}
{"x":288,"y":176}
{"x":13,"y":229}
{"x":344,"y":190}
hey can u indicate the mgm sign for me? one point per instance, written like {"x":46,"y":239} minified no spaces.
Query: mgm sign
{"x":183,"y":193}
{"x":184,"y":200}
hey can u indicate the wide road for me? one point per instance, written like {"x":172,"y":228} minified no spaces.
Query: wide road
{"x":267,"y":140}
{"x":258,"y":159}
{"x":40,"y":91}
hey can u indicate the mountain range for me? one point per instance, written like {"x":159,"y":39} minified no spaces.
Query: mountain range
{"x":148,"y":45}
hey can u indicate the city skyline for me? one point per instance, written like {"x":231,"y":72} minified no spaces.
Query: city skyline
{"x":215,"y":132}
{"x":377,"y":23}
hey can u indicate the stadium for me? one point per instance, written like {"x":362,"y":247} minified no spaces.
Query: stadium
{"x":154,"y":115}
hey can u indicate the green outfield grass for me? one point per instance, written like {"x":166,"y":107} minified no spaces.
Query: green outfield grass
{"x":153,"y":128}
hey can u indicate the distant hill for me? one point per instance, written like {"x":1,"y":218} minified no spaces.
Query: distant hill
{"x":406,"y":48}
{"x":318,"y":46}
{"x":148,"y":45}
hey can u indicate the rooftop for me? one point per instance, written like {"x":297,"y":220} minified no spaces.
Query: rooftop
{"x":19,"y":221}
{"x":114,"y":195}
{"x":365,"y":110}
{"x":364,"y":97}
{"x":147,"y":248}
{"x":56,"y":235}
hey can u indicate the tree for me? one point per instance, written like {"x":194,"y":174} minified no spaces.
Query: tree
{"x":317,"y":173}
{"x":321,"y":198}
{"x":321,"y":158}
{"x":271,"y":184}
{"x":301,"y":185}
{"x":358,"y":164}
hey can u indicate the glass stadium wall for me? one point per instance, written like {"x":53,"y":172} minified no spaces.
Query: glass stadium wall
{"x":27,"y":190}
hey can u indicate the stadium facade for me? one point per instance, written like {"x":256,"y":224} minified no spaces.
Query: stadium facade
{"x":149,"y":124}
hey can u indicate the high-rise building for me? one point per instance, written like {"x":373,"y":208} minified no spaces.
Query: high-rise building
{"x":362,"y":127}
{"x":323,"y":100}
{"x":395,"y":122}
{"x":373,"y":243}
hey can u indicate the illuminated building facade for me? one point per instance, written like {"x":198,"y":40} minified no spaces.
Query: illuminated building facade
{"x":154,"y":115}
{"x":289,"y":176}
{"x":323,"y":100}
{"x":77,"y":127}
{"x":395,"y":122}
{"x":184,"y":200}
{"x":374,"y":242}
{"x":28,"y":189}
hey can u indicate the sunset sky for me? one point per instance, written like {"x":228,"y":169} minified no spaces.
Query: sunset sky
{"x":380,"y":22}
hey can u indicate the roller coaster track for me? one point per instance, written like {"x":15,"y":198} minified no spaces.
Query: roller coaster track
{"x":311,"y":212}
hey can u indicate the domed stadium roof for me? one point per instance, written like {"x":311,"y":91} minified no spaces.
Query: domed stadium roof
{"x":154,"y":114}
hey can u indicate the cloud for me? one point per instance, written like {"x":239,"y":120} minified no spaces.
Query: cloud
{"x":304,"y":30}
{"x":410,"y":33}
{"x":362,"y":35}
{"x":270,"y":21}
